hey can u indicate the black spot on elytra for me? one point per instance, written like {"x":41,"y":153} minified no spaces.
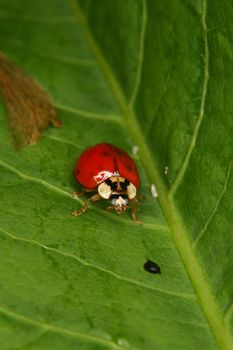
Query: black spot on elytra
{"x":152,"y":267}
{"x":120,"y":152}
{"x":105,"y":153}
{"x":129,"y":167}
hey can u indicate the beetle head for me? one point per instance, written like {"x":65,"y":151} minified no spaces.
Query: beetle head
{"x":119,"y":202}
{"x":119,"y":190}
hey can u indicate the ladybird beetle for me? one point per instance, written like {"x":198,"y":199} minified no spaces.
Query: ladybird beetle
{"x":112,"y":174}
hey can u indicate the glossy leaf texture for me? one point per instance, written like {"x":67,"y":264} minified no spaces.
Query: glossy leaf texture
{"x":145,"y":73}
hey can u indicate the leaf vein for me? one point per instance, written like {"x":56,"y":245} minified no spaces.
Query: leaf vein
{"x":49,"y":186}
{"x":61,"y":140}
{"x":178,"y":228}
{"x":228,"y":314}
{"x":87,"y":114}
{"x":214,"y":211}
{"x":35,"y":179}
{"x":96,"y":267}
{"x":59,"y":59}
{"x":141,"y":54}
{"x":58,"y":329}
{"x":192,"y":144}
{"x":36,"y":19}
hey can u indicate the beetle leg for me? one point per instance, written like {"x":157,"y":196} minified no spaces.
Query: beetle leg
{"x":119,"y":210}
{"x":140,"y":196}
{"x":96,"y":197}
{"x":135,"y":207}
{"x":80,"y":193}
{"x":110,"y":207}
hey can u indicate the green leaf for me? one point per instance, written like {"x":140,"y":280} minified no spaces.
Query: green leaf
{"x":156,"y":74}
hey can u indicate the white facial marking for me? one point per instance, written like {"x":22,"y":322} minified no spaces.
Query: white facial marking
{"x":166,"y":169}
{"x":132,"y":191}
{"x":154,"y":191}
{"x":104,"y":175}
{"x":104,"y":190}
{"x":120,"y":202}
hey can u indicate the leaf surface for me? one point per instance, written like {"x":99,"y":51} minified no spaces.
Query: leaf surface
{"x":152,"y":74}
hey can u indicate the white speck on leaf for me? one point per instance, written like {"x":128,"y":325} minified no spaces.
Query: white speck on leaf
{"x":123,"y":342}
{"x":135,"y":150}
{"x":154,"y":191}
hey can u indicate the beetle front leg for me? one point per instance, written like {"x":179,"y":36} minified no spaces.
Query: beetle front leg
{"x":80,"y":193}
{"x":96,"y":197}
{"x":134,"y":208}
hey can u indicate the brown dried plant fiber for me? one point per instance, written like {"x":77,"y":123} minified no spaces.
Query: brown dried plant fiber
{"x":28,"y":106}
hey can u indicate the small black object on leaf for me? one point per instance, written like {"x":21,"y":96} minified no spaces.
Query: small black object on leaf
{"x":152,"y":267}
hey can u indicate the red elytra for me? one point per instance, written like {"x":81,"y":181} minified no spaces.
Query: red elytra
{"x":110,"y":173}
{"x":102,"y":161}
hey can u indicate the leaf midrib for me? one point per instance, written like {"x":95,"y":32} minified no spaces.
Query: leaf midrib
{"x":179,"y":231}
